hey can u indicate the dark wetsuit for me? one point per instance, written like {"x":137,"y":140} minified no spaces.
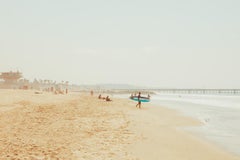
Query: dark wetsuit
{"x":139,"y":96}
{"x":139,"y":101}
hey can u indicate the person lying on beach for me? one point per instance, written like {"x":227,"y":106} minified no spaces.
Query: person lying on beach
{"x":100,"y":97}
{"x":108,"y":99}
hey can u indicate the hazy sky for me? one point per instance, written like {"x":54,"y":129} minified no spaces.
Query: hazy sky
{"x":173,"y":43}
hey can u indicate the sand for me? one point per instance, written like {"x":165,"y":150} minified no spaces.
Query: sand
{"x":80,"y":126}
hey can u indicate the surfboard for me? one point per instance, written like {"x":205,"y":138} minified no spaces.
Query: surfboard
{"x":142,"y":99}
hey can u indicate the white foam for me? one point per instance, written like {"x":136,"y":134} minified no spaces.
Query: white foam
{"x":220,"y":114}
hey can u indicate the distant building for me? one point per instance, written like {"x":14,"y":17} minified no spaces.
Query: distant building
{"x":15,"y":80}
{"x":10,"y":79}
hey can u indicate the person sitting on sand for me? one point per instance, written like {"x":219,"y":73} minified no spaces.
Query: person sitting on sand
{"x":108,"y":99}
{"x":139,"y":101}
{"x":100,"y":96}
{"x":131,"y":96}
{"x":149,"y":96}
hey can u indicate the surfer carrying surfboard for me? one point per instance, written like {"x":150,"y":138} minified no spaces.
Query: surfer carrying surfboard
{"x":139,"y":101}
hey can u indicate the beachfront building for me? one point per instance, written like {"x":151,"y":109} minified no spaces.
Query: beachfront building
{"x":10,"y":79}
{"x":24,"y":84}
{"x":15,"y":80}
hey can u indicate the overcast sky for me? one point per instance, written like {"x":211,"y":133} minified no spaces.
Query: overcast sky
{"x":173,"y":43}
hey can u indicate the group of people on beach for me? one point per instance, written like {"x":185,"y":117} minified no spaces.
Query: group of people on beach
{"x":104,"y":98}
{"x":100,"y":97}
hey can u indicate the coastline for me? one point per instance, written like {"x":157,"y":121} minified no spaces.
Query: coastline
{"x":78,"y":126}
{"x":219,"y":114}
{"x":164,"y":137}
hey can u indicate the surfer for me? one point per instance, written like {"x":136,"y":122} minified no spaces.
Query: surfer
{"x":139,"y":101}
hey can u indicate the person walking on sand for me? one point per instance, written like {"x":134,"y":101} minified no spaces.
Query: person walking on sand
{"x":139,"y":101}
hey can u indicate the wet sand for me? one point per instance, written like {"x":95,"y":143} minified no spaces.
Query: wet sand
{"x":80,"y":126}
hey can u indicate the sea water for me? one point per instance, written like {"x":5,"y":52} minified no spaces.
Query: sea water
{"x":220,"y":115}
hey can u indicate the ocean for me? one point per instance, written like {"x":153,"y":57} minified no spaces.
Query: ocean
{"x":220,"y":115}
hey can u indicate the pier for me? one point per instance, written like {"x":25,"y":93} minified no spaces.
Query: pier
{"x":200,"y":91}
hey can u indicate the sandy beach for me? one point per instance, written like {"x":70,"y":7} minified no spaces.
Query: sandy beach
{"x":82,"y":127}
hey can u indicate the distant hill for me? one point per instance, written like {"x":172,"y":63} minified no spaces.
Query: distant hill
{"x":111,"y":87}
{"x":119,"y":86}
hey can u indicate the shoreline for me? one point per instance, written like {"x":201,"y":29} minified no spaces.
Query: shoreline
{"x":165,"y":137}
{"x":220,"y":121}
{"x":78,"y":126}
